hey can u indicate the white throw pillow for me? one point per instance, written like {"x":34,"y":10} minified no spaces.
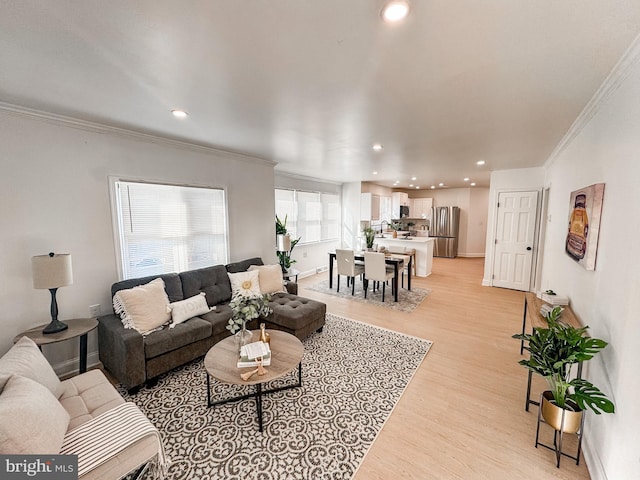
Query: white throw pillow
{"x":26,"y":359}
{"x":270,"y":278}
{"x":143,"y":308}
{"x":32,"y":420}
{"x":191,"y":307}
{"x":246,"y":283}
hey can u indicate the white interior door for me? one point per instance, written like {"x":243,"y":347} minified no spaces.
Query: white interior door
{"x":515,"y":234}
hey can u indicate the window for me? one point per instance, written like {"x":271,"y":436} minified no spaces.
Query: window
{"x":168,"y":228}
{"x":313,"y":216}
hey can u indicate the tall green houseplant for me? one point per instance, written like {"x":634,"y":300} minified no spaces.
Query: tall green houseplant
{"x":369,"y":236}
{"x":553,"y":351}
{"x":284,"y":257}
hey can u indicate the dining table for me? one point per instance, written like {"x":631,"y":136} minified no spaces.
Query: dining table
{"x":395,"y":260}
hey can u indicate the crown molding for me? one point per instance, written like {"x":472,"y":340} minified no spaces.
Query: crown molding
{"x":72,"y":122}
{"x":619,"y":73}
{"x":282,"y":173}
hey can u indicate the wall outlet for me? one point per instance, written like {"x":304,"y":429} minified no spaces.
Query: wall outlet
{"x":304,"y":254}
{"x":94,"y":310}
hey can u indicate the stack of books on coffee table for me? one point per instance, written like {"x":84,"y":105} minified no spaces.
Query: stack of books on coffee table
{"x":252,"y":352}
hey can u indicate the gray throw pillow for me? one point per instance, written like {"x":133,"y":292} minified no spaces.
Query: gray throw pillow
{"x":32,"y":420}
{"x":26,"y":359}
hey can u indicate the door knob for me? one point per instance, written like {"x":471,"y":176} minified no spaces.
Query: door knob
{"x":528,"y":248}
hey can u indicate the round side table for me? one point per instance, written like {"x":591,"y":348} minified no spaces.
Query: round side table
{"x":291,"y":275}
{"x":78,"y":327}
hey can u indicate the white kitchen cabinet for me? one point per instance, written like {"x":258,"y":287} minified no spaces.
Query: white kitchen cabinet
{"x":386,"y":213}
{"x":421,"y":208}
{"x":398,"y":199}
{"x":401,"y":198}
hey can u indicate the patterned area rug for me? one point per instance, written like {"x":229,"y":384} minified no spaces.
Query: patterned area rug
{"x":407,"y":300}
{"x":353,"y":374}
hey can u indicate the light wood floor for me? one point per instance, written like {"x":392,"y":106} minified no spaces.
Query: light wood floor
{"x":462,"y":416}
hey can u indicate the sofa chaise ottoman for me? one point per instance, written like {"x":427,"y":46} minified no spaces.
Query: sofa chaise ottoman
{"x":133,"y":358}
{"x":40,"y":415}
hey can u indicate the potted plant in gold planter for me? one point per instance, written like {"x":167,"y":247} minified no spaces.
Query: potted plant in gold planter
{"x":553,"y":351}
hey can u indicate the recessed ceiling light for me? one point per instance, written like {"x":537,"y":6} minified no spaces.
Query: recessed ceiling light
{"x":466,"y":179}
{"x":377,"y":147}
{"x":433,"y":186}
{"x":411,"y":184}
{"x":395,"y":10}
{"x":179,"y":113}
{"x":441,"y":184}
{"x":375,"y":173}
{"x":413,"y":178}
{"x":417,"y":187}
{"x":473,"y":184}
{"x":480,"y":162}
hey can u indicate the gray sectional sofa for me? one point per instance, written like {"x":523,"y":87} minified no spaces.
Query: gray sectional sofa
{"x":133,"y":359}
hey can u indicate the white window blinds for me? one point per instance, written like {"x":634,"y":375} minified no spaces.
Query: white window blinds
{"x":313,"y":216}
{"x":168,"y":228}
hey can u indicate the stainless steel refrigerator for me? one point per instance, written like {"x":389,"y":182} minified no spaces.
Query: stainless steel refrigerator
{"x":444,"y":228}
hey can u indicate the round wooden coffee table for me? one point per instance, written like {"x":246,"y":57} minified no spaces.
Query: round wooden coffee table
{"x":221,"y":364}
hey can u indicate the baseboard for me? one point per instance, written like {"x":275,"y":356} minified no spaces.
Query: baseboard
{"x":70,"y":367}
{"x":308,"y":273}
{"x":594,"y":465}
{"x":486,"y":282}
{"x":471,"y":255}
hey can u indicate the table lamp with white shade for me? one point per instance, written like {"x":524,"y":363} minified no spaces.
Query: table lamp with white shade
{"x":51,"y":272}
{"x":283,"y":249}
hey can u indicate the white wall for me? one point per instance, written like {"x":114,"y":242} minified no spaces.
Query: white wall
{"x":606,"y":150}
{"x":473,"y":215}
{"x":350,"y":214}
{"x":477,"y":222}
{"x":522,"y":179}
{"x":55,"y":197}
{"x":367,"y":187}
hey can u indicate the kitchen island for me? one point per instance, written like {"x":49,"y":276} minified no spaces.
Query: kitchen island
{"x":422,"y":245}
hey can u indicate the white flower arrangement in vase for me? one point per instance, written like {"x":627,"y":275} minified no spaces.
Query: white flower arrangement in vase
{"x":246,"y":308}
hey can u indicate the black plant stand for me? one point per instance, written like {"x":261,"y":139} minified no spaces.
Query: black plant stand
{"x":558,"y":438}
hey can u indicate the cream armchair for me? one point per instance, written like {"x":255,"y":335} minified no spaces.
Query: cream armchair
{"x":84,"y":415}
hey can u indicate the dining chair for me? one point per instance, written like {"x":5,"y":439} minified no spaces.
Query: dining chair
{"x":376,"y":269}
{"x":412,"y":253}
{"x":348,"y":267}
{"x":406,"y":254}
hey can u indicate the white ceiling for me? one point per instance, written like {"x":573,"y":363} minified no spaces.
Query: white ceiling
{"x":312,"y":84}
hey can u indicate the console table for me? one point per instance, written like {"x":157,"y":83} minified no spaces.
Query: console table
{"x":532,"y":305}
